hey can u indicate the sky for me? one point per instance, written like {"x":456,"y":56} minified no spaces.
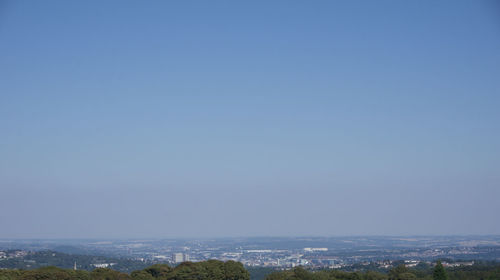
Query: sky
{"x":163,"y":119}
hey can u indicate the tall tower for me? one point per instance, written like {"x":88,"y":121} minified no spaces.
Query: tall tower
{"x":74,"y":266}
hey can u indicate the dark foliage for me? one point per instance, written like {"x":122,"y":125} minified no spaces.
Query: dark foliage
{"x":208,"y":270}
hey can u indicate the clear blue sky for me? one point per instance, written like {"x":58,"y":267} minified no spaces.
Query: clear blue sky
{"x":244,"y":118}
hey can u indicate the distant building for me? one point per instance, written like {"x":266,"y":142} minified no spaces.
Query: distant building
{"x":315,"y":249}
{"x":102,"y":265}
{"x":180,"y":257}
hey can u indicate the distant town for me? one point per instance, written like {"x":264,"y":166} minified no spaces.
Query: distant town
{"x":313,"y":252}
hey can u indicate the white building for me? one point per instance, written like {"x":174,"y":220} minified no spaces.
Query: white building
{"x":315,"y":249}
{"x":180,"y":257}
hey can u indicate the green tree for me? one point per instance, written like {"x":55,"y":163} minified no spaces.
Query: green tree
{"x":10,"y":274}
{"x":108,"y":274}
{"x":372,"y":275}
{"x":158,"y":270}
{"x":401,"y":272}
{"x":235,"y":271}
{"x":439,"y":272}
{"x":49,"y":272}
{"x":406,"y":276}
{"x":141,"y":275}
{"x":302,"y":274}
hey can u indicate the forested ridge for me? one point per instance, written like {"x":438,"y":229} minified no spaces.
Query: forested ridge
{"x":206,"y":270}
{"x":230,"y":270}
{"x":438,"y":272}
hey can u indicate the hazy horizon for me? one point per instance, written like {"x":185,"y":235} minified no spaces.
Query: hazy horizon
{"x":181,"y":238}
{"x":132,"y":119}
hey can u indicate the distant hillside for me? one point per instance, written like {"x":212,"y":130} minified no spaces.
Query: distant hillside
{"x":32,"y":260}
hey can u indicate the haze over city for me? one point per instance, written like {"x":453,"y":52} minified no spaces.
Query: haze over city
{"x":163,"y":119}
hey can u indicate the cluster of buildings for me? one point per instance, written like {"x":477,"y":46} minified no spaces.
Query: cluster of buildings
{"x":290,"y":252}
{"x":100,"y":265}
{"x":7,"y":254}
{"x":311,"y":257}
{"x":316,"y":257}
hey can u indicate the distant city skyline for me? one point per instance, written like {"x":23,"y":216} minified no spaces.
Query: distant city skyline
{"x":340,"y":253}
{"x":126,"y":119}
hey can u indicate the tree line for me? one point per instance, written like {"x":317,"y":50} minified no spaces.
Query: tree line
{"x":207,"y":270}
{"x":400,"y":272}
{"x":230,"y":270}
